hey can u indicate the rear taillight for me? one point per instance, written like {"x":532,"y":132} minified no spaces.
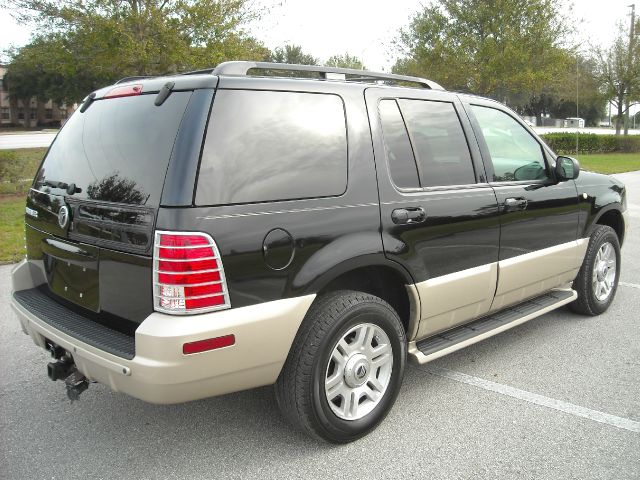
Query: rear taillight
{"x":187,"y":274}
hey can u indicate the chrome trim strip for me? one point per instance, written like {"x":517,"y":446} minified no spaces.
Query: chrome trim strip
{"x":294,"y":210}
{"x":187,"y":259}
{"x":160,"y":284}
{"x":213,"y":270}
{"x":188,"y":247}
{"x":191,"y":298}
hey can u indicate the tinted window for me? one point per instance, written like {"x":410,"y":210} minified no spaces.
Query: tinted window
{"x":265,"y":146}
{"x":515,"y":154}
{"x":402,"y":164}
{"x":117,"y":150}
{"x":439,"y":143}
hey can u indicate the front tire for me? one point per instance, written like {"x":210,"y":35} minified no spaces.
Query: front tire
{"x":597,"y":280}
{"x":345,"y":367}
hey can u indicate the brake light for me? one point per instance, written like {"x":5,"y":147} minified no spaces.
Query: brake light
{"x":188,"y":276}
{"x":124,"y":91}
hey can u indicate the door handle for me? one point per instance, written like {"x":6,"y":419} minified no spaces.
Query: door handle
{"x":403,"y":216}
{"x":515,"y":204}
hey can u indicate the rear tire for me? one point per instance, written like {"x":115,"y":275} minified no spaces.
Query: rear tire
{"x":345,"y":367}
{"x":597,"y":280}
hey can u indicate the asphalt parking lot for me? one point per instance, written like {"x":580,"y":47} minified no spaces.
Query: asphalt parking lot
{"x":555,"y":398}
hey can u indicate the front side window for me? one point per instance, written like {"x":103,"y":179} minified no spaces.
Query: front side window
{"x":266,"y":146}
{"x":515,"y":154}
{"x":439,"y":143}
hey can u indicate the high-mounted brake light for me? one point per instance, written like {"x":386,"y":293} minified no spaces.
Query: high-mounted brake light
{"x":188,"y":276}
{"x":124,"y":91}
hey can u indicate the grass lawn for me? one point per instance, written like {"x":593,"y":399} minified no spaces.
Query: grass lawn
{"x":11,"y":228}
{"x":610,"y":162}
{"x":22,"y":165}
{"x":17,"y":169}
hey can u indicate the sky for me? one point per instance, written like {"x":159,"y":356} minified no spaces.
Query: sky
{"x":364,"y":28}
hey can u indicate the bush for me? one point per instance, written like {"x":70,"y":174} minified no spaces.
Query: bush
{"x":565,"y":143}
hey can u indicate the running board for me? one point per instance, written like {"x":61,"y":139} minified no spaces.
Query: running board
{"x":450,"y":341}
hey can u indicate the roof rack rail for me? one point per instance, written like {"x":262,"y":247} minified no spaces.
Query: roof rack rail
{"x":241,"y":68}
{"x":131,"y":79}
{"x":198,"y":72}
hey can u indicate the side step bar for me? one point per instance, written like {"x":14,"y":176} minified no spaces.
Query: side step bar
{"x":450,"y":341}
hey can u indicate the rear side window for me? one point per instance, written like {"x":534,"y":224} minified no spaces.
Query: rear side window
{"x":439,"y":143}
{"x":402,"y":164}
{"x":117,"y":150}
{"x":266,"y":146}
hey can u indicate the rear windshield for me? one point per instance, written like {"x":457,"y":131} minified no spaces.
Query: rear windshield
{"x":116,"y":151}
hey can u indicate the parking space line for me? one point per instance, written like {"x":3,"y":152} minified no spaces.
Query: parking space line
{"x":541,"y":400}
{"x":627,"y":284}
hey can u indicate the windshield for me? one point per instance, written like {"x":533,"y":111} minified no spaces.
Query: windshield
{"x":116,"y":151}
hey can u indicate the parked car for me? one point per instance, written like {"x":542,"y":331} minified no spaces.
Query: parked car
{"x":205,"y":233}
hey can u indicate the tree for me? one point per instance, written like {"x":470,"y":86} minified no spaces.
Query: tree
{"x":291,"y":54}
{"x":558,"y":97}
{"x":345,"y":61}
{"x":618,"y":71}
{"x":91,"y":43}
{"x":507,"y":49}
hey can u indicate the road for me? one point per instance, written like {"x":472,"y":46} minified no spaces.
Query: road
{"x":555,"y":398}
{"x":32,"y":140}
{"x":26,"y":140}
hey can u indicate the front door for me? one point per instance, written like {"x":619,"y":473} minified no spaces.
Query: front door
{"x":439,"y":217}
{"x":539,"y":216}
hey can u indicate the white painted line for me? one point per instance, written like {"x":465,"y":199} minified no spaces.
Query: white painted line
{"x":541,"y":400}
{"x":627,"y":284}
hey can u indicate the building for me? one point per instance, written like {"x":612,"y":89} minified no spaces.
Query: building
{"x":32,"y":113}
{"x":574,"y":122}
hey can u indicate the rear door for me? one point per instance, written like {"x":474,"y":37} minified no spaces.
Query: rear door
{"x":92,"y":207}
{"x":439,"y":217}
{"x":539,"y":216}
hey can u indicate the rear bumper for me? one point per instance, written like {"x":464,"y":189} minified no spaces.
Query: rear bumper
{"x":159,"y":372}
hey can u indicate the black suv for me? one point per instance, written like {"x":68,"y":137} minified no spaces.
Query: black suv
{"x":308,"y":227}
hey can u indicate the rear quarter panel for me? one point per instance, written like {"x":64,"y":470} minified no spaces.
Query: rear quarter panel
{"x":329,"y":235}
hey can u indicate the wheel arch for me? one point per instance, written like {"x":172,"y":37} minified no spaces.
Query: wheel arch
{"x":379,"y":276}
{"x":612,"y":217}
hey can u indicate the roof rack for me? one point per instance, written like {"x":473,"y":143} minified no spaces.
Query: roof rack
{"x":131,"y":79}
{"x":241,"y":68}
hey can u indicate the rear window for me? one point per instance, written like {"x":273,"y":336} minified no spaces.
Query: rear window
{"x":266,"y":146}
{"x":117,"y":150}
{"x":402,"y":164}
{"x":439,"y":143}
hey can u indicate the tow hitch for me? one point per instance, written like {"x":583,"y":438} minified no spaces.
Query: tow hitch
{"x":65,"y":369}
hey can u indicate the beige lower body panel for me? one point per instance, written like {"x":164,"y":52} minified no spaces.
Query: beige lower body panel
{"x":532,"y":274}
{"x":161,"y":373}
{"x":453,"y":299}
{"x":416,"y":356}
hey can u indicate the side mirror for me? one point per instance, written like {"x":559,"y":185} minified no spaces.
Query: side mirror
{"x":567,"y":168}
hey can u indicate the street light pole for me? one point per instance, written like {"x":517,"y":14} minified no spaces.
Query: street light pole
{"x":631,"y":41}
{"x":577,"y":108}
